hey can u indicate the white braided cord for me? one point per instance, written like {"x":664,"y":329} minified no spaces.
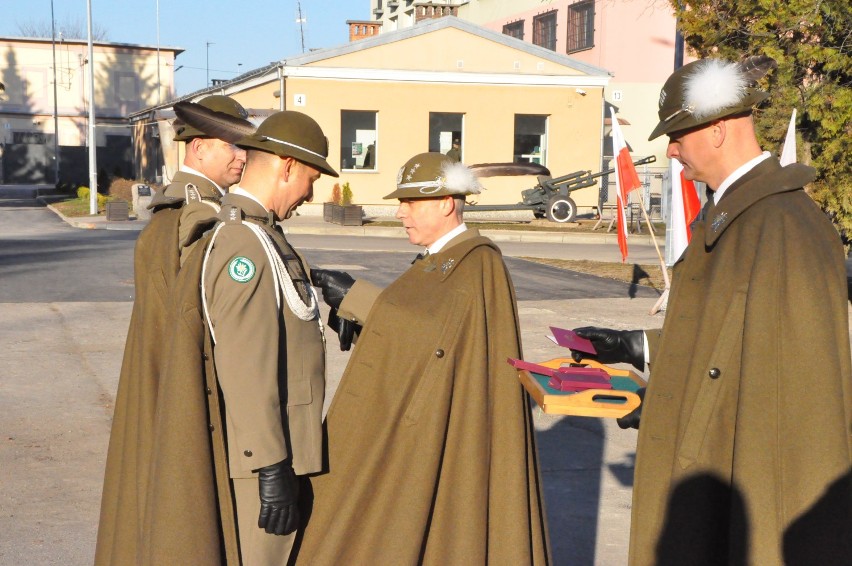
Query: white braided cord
{"x":281,"y":279}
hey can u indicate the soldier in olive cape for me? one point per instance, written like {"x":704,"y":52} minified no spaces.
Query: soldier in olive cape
{"x":211,"y":165}
{"x":240,"y":423}
{"x":432,"y":456}
{"x":746,"y":424}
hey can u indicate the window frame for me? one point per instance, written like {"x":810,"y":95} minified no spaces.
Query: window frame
{"x":512,"y":26}
{"x":538,"y":30}
{"x":580,"y":35}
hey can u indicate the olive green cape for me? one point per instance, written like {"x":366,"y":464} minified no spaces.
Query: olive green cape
{"x":432,"y":456}
{"x":744,"y":445}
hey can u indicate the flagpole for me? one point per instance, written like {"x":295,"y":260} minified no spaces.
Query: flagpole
{"x":659,"y":305}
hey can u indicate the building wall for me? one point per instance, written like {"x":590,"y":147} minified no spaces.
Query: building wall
{"x":633,"y":40}
{"x":125,"y":79}
{"x":488,"y":133}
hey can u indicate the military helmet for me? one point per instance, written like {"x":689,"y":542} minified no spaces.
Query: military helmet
{"x":428,"y":175}
{"x":292,"y":134}
{"x":216,"y":103}
{"x":709,"y":89}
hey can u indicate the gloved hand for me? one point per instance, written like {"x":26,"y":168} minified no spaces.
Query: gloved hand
{"x":346,"y":329}
{"x":279,"y":494}
{"x":334,"y":285}
{"x":613,"y":346}
{"x":631,"y":419}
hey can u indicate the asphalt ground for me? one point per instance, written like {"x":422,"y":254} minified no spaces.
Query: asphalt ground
{"x":65,"y":302}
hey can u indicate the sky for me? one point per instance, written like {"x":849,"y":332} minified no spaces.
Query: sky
{"x":243,"y":35}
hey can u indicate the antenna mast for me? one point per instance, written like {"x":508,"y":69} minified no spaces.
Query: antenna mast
{"x":300,"y":19}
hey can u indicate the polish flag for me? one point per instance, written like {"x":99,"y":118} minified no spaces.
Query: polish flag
{"x":626,"y":180}
{"x":788,"y":154}
{"x":685,"y":207}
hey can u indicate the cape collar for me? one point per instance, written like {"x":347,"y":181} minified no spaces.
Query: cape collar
{"x":766,"y":179}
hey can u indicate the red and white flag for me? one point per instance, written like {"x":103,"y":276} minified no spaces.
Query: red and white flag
{"x":685,"y":207}
{"x":626,"y":180}
{"x":788,"y":154}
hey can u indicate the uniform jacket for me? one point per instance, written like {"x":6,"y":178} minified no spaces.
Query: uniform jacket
{"x":745,"y":433}
{"x":157,"y":260}
{"x":271,"y":367}
{"x":432,"y":458}
{"x":202,"y":430}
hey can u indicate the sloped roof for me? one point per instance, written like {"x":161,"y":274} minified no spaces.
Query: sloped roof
{"x":419,"y":29}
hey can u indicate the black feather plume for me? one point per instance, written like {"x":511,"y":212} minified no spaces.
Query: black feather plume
{"x":213,"y":123}
{"x":508,"y":169}
{"x":755,"y":67}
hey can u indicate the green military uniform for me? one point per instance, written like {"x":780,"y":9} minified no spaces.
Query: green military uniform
{"x":431,"y":445}
{"x":748,"y":413}
{"x":162,"y":247}
{"x":271,"y":369}
{"x":432,"y":455}
{"x":745,"y":443}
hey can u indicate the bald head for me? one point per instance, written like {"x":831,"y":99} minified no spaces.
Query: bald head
{"x":711,"y":152}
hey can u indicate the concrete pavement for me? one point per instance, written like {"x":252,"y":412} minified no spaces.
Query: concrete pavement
{"x":59,"y":367}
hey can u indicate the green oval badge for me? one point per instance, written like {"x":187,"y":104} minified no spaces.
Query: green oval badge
{"x":241,"y":269}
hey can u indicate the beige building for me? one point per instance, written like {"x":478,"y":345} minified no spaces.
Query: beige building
{"x":45,"y":105}
{"x":635,"y":41}
{"x":385,"y":98}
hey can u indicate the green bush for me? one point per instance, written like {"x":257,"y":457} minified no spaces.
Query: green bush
{"x":83,"y":194}
{"x":346,"y":196}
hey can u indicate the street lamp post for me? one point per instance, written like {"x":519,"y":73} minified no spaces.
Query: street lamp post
{"x":159,"y":87}
{"x":55,"y":101}
{"x":93,"y":142}
{"x":209,"y":43}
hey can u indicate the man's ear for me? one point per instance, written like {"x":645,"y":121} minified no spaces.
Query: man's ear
{"x":196,"y":145}
{"x":448,"y":205}
{"x":719,"y":130}
{"x":288,"y":167}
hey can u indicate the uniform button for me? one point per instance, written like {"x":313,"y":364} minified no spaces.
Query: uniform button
{"x":248,"y":453}
{"x":211,"y":427}
{"x":714,"y":373}
{"x":205,"y":356}
{"x":209,"y":391}
{"x":439,"y":353}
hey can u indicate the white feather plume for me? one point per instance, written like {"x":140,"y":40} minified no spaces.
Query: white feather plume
{"x":714,"y":86}
{"x":459,"y":178}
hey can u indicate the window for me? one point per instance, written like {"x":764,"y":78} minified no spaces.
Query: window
{"x":126,"y":87}
{"x":544,"y":30}
{"x":444,"y":129}
{"x":581,"y":26}
{"x":358,"y":136}
{"x":530,"y":139}
{"x":515,"y":29}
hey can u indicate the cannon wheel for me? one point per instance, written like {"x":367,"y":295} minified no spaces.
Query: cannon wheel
{"x":561,"y":209}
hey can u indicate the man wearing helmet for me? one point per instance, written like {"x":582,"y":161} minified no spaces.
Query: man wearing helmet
{"x":744,"y":441}
{"x":211,"y":165}
{"x":432,"y":456}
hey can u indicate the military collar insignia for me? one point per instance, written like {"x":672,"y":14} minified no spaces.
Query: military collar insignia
{"x":447,"y":265}
{"x":719,"y":221}
{"x":192,"y":193}
{"x":241,"y":269}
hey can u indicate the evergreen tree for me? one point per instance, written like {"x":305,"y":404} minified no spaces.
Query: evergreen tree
{"x":811,"y":40}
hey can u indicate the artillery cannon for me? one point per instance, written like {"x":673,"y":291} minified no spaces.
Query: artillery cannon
{"x":549,"y":198}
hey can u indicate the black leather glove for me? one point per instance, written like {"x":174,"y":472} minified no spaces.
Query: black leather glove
{"x":346,"y":329}
{"x":279,"y":494}
{"x":334,"y":285}
{"x":613,"y":346}
{"x":631,"y":419}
